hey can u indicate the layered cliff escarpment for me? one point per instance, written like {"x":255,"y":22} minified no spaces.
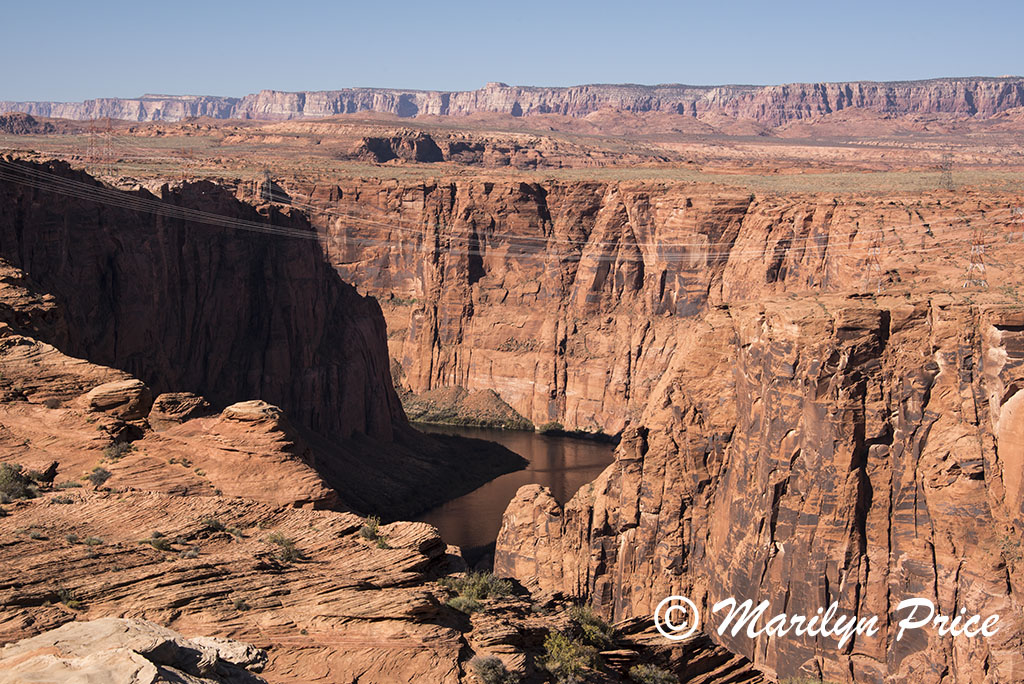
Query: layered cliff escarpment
{"x":184,"y":292}
{"x":565,"y":297}
{"x":808,"y":452}
{"x":771,"y":105}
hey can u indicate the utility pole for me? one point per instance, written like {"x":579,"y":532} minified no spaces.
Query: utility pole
{"x":946,"y":172}
{"x":873,"y":265}
{"x":267,"y":189}
{"x":974,"y":275}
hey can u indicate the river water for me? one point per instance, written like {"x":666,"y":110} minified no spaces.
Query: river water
{"x":563,"y":464}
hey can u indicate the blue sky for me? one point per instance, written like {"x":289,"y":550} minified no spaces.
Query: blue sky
{"x":63,"y":50}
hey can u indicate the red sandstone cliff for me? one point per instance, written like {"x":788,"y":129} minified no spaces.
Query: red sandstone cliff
{"x":565,"y":297}
{"x":230,"y":314}
{"x":806,"y":453}
{"x":770,"y":105}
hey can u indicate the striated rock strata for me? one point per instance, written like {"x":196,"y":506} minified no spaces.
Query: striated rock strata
{"x":771,"y":105}
{"x":565,"y":297}
{"x":804,"y":453}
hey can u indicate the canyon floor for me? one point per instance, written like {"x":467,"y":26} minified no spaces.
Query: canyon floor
{"x":808,"y":337}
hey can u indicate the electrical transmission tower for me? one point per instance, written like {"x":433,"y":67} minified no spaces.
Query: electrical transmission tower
{"x":946,"y":172}
{"x":975,"y":275}
{"x":873,"y":265}
{"x":267,"y":188}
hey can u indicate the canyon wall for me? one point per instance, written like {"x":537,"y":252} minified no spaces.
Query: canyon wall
{"x":769,"y":105}
{"x":566,"y":297}
{"x":183,"y":305}
{"x":806,"y":453}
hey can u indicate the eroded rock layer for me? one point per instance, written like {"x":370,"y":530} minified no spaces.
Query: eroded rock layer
{"x":800,"y":452}
{"x":227,"y":313}
{"x":565,"y":297}
{"x":771,"y":105}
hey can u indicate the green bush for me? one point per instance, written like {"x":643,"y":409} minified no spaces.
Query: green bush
{"x":212,"y":524}
{"x":158,"y":542}
{"x":14,"y":484}
{"x":71,"y":538}
{"x":98,"y":476}
{"x":491,"y":670}
{"x":567,"y":658}
{"x":190,"y":552}
{"x":464,"y":604}
{"x":116,"y":451}
{"x":69,"y":485}
{"x":369,"y":530}
{"x":67,"y":597}
{"x":287,"y":551}
{"x":240,"y":604}
{"x":92,"y":541}
{"x":651,"y":674}
{"x":62,"y":500}
{"x":590,"y":627}
{"x":553,"y":426}
{"x":474,"y":587}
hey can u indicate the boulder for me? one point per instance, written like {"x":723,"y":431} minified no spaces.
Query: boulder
{"x":125,"y":399}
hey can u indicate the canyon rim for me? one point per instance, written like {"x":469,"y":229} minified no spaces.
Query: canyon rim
{"x":250,"y":343}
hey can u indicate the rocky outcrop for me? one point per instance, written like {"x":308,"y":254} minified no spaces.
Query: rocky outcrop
{"x":16,"y":123}
{"x":771,"y":105}
{"x":127,"y":650}
{"x":184,"y":305}
{"x":805,"y":453}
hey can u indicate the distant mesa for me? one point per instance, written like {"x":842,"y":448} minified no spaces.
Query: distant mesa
{"x":772,"y":106}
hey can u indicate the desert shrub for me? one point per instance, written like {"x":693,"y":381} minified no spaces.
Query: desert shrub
{"x":98,"y":476}
{"x":382,"y":543}
{"x":160,"y":543}
{"x":190,"y":552}
{"x":62,"y":500}
{"x":36,"y":534}
{"x":491,"y":670}
{"x":553,"y":426}
{"x":69,"y":485}
{"x":67,"y":597}
{"x":51,"y":402}
{"x":478,"y":585}
{"x":240,"y":604}
{"x":116,"y":451}
{"x":590,"y":627}
{"x":287,"y":551}
{"x":234,"y":532}
{"x":212,"y":524}
{"x":71,"y":538}
{"x":651,"y":674}
{"x":14,"y":484}
{"x":463,"y":604}
{"x":92,"y":541}
{"x":370,"y":528}
{"x":566,"y":658}
{"x":474,"y":587}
